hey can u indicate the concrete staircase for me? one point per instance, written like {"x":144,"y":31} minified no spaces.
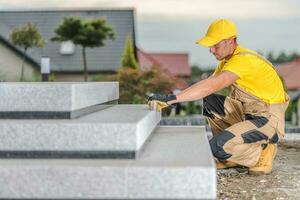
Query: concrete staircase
{"x":72,"y":141}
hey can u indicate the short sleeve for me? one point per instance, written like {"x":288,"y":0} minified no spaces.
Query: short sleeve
{"x":239,"y":65}
{"x":218,"y":68}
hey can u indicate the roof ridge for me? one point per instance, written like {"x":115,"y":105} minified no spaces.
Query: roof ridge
{"x":19,"y":52}
{"x":69,"y":9}
{"x":165,"y":53}
{"x":150,"y":57}
{"x":155,"y":61}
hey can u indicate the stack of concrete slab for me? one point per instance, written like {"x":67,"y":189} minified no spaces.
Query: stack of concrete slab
{"x":72,"y":141}
{"x":55,"y":100}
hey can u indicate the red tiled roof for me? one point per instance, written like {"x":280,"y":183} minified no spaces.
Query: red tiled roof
{"x":145,"y":60}
{"x":176,"y":63}
{"x":290,"y":73}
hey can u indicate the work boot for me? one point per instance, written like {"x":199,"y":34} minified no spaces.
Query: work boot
{"x":265,"y":162}
{"x":225,"y":165}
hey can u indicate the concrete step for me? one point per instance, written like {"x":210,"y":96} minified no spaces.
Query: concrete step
{"x":292,"y":137}
{"x":50,"y":100}
{"x":116,"y":132}
{"x":176,"y":163}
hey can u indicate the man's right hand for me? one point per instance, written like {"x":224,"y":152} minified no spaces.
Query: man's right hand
{"x":159,"y":101}
{"x":157,"y":105}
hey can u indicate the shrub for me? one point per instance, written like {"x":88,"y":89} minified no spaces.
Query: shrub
{"x":135,"y":84}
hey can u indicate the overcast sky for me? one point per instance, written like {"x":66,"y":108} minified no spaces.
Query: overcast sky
{"x":174,"y":25}
{"x":172,"y":9}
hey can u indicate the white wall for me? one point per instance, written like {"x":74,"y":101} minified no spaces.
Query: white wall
{"x":10,"y":66}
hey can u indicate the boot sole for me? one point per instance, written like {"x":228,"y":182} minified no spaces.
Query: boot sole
{"x":258,"y":173}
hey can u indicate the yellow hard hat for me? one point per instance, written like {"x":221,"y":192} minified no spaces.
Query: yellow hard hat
{"x":217,"y":31}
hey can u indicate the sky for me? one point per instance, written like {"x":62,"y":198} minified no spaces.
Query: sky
{"x":175,"y":25}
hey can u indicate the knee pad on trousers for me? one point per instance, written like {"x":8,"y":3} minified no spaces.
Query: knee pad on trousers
{"x":258,"y":121}
{"x":217,"y":143}
{"x":213,"y":103}
{"x":274,"y":139}
{"x":253,"y":136}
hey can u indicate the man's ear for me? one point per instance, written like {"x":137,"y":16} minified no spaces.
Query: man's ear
{"x":234,"y":40}
{"x":231,"y":41}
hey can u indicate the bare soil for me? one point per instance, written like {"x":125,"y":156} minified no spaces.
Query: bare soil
{"x":282,"y":183}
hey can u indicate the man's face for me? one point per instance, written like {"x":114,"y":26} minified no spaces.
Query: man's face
{"x":221,"y":49}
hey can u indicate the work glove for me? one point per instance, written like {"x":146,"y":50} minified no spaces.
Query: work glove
{"x":159,"y":101}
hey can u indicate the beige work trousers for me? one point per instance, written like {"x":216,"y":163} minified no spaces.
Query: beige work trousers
{"x":241,"y":124}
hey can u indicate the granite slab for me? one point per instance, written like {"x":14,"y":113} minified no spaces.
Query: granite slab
{"x":55,"y":100}
{"x":116,"y":132}
{"x":176,"y":163}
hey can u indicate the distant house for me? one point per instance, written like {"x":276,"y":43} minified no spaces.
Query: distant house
{"x":175,"y":64}
{"x":66,"y":59}
{"x":290,"y":73}
{"x":11,"y":61}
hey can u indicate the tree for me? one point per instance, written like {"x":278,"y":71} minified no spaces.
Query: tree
{"x":128,"y":58}
{"x":26,"y":36}
{"x":196,"y":71}
{"x":85,"y":33}
{"x":293,"y":56}
{"x":270,"y":57}
{"x":282,"y":57}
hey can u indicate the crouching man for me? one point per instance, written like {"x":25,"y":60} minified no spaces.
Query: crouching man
{"x":247,"y":124}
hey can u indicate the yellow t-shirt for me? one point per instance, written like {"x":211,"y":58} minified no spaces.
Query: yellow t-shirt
{"x":256,"y":75}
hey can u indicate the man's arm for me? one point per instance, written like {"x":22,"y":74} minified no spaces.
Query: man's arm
{"x":206,"y":87}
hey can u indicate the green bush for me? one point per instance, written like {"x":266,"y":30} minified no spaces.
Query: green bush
{"x":191,"y":108}
{"x":105,"y":77}
{"x":128,"y":58}
{"x":135,"y":85}
{"x":290,"y":109}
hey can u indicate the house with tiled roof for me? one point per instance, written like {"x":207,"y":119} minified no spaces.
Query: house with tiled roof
{"x":175,"y":64}
{"x":290,"y":73}
{"x":11,"y":61}
{"x":65,"y":58}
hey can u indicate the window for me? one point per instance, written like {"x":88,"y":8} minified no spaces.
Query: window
{"x":67,"y":48}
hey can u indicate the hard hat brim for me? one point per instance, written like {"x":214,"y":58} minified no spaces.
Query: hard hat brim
{"x":207,"y":41}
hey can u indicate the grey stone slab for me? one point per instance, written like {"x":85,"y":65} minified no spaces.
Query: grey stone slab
{"x":55,"y":114}
{"x":120,"y":128}
{"x":176,"y":163}
{"x":292,"y":130}
{"x":26,"y":100}
{"x":50,"y":154}
{"x":292,"y":137}
{"x":193,"y":120}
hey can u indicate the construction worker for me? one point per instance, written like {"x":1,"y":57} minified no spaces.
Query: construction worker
{"x":247,"y":124}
